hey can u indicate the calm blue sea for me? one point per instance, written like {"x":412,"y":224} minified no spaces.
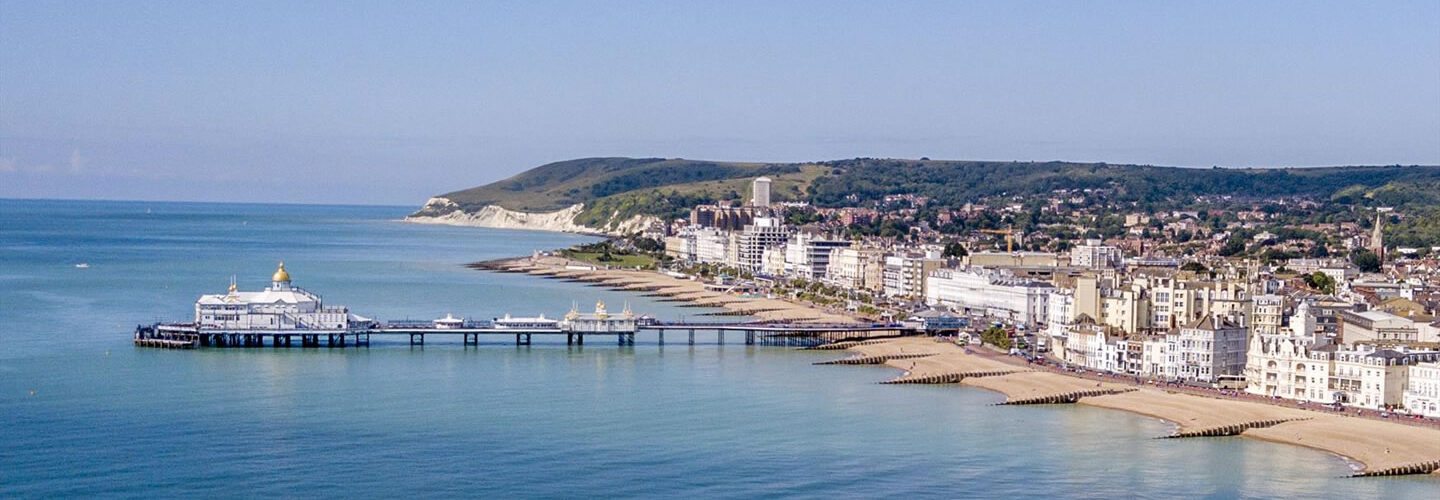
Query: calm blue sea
{"x":83,"y":413}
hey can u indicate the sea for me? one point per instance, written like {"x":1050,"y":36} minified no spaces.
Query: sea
{"x":83,"y":413}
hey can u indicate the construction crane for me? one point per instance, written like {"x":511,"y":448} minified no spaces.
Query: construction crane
{"x":1010,"y":236}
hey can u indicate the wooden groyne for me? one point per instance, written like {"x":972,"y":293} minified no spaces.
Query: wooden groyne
{"x":639,"y":288}
{"x":1068,"y":397}
{"x":947,"y":378}
{"x":1428,"y":467}
{"x":845,"y":344}
{"x":1232,"y":429}
{"x":739,"y":312}
{"x":660,"y":292}
{"x":873,"y":360}
{"x":497,"y":265}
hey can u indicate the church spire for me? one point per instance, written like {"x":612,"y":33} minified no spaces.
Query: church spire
{"x":1377,"y":237}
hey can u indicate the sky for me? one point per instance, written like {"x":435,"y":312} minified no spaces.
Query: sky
{"x":393,"y":102}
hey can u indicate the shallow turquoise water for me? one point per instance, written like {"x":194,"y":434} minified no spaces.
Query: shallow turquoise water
{"x":107,"y":419}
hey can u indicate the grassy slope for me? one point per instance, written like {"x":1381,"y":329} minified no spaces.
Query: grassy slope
{"x":561,"y":184}
{"x":642,"y":261}
{"x":784,"y":187}
{"x":613,"y":189}
{"x":675,"y":200}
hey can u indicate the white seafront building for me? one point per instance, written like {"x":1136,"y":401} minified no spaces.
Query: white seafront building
{"x":1422,"y":394}
{"x":856,"y":268}
{"x":751,"y":243}
{"x":712,"y":246}
{"x":980,"y":291}
{"x":904,"y":274}
{"x":1289,"y":366}
{"x":1093,"y":346}
{"x":278,"y":307}
{"x":807,"y":255}
{"x":1371,"y":377}
{"x":1212,"y":347}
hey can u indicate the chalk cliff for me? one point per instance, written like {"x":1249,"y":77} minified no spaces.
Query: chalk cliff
{"x":440,"y":210}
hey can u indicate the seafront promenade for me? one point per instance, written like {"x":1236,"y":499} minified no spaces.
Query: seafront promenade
{"x":1380,"y":445}
{"x":1222,"y":394}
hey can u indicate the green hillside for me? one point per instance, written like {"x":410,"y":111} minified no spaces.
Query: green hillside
{"x":615,"y":189}
{"x":952,"y":183}
{"x":676,"y":200}
{"x":561,"y":184}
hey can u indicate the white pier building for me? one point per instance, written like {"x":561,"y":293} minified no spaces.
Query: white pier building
{"x":600,"y":321}
{"x":278,"y":307}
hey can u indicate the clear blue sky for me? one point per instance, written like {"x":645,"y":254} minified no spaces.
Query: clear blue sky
{"x":390,"y":102}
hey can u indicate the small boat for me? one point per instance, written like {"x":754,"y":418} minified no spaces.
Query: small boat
{"x":82,"y":265}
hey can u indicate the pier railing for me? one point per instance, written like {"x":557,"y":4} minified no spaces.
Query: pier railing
{"x":755,"y":333}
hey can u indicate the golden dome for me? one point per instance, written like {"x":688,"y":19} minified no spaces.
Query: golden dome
{"x":280,"y":274}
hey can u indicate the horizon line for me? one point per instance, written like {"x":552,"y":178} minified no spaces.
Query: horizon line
{"x":122,"y":200}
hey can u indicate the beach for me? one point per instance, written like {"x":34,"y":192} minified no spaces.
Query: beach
{"x":669,"y":289}
{"x":1377,"y":446}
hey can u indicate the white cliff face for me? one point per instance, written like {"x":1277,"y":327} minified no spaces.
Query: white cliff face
{"x":443,"y":211}
{"x":635,"y":224}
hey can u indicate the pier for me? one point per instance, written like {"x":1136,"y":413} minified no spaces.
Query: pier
{"x":189,"y":336}
{"x":283,"y":313}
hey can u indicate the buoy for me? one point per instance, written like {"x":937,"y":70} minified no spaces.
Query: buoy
{"x":32,"y":393}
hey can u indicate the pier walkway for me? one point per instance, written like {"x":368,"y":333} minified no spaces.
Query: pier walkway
{"x":187,"y":335}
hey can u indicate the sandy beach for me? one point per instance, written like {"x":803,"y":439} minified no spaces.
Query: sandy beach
{"x":1377,"y":445}
{"x":680,"y":290}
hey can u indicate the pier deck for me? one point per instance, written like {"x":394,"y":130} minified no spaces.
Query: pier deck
{"x":186,"y":335}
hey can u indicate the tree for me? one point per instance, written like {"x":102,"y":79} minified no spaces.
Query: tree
{"x":996,"y":336}
{"x":1366,"y":260}
{"x":1194,"y":267}
{"x":955,"y":250}
{"x":1232,"y":246}
{"x":1320,"y":281}
{"x":649,"y":244}
{"x":1272,"y":255}
{"x":606,"y":256}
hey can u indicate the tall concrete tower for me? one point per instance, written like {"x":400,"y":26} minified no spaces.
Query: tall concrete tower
{"x":760,"y":192}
